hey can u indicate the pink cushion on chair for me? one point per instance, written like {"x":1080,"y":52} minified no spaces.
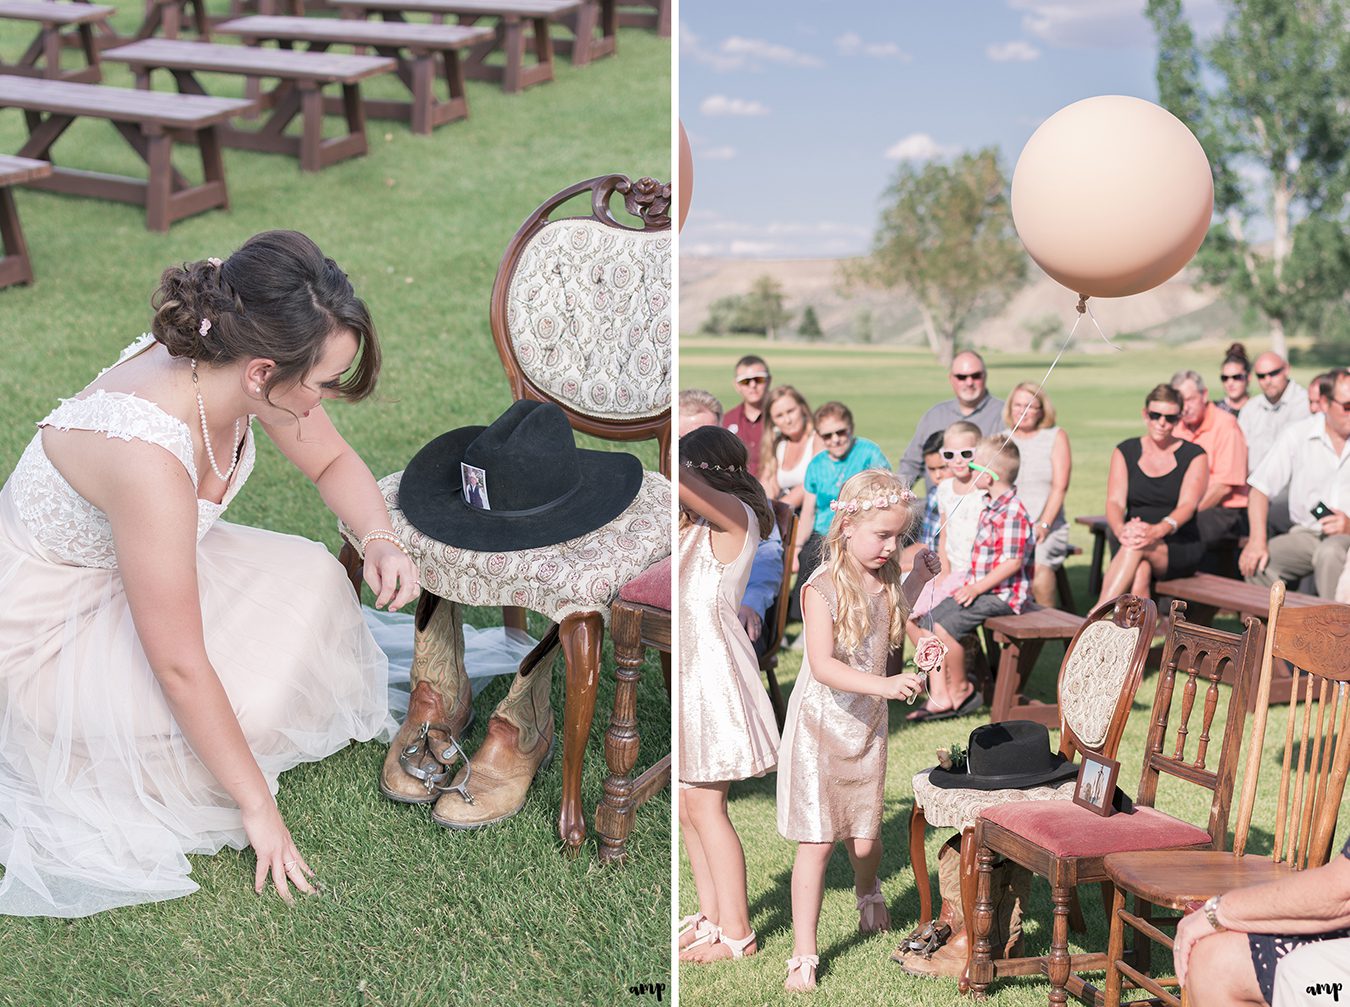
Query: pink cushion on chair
{"x":1067,"y":830}
{"x":650,"y":587}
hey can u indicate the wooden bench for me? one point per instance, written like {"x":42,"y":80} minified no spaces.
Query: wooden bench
{"x":302,"y":77}
{"x":15,"y":266}
{"x":148,"y":121}
{"x":654,"y":14}
{"x":1013,"y":643}
{"x":167,"y":18}
{"x":513,"y":18}
{"x":43,"y":57}
{"x":414,"y":47}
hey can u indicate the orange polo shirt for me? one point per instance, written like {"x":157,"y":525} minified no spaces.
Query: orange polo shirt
{"x":1226,"y":448}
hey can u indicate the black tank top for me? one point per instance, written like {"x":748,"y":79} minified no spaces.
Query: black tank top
{"x":1153,"y":498}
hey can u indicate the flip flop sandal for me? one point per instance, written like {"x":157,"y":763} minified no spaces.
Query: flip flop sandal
{"x":969,"y":705}
{"x":433,"y":761}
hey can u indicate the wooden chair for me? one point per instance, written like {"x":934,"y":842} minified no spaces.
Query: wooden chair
{"x":786,"y":519}
{"x":1311,"y":784}
{"x":639,"y":618}
{"x":1067,"y":844}
{"x":1101,"y":672}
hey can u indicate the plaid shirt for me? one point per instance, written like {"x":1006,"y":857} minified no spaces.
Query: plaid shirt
{"x":932,"y":521}
{"x":1004,"y":533}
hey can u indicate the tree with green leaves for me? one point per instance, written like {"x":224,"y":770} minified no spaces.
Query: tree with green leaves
{"x":810,"y":326}
{"x":1269,"y":100}
{"x":946,"y":238}
{"x":764,"y":304}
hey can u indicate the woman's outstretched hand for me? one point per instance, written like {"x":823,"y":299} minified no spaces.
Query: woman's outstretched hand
{"x":390,"y":574}
{"x":276,"y":853}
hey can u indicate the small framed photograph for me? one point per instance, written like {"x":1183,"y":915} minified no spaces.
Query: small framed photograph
{"x":473,"y":484}
{"x":1096,"y":784}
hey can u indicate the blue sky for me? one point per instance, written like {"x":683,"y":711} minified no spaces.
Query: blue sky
{"x":800,"y":111}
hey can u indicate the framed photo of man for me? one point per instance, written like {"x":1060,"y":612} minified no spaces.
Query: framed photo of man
{"x":474,"y":486}
{"x":1096,"y":784}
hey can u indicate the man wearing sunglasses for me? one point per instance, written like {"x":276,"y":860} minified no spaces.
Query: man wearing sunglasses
{"x":972,"y":403}
{"x":746,"y":421}
{"x":1311,"y":461}
{"x":1282,"y":402}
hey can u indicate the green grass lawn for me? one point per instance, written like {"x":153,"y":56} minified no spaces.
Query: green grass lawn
{"x":412,"y":914}
{"x":1098,"y":397}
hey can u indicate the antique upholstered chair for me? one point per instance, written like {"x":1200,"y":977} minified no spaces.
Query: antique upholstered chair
{"x":786,"y":519}
{"x":1311,"y":782}
{"x":1102,"y":668}
{"x":1067,"y":844}
{"x":580,"y":314}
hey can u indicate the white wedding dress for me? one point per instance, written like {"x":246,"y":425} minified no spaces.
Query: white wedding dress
{"x":100,"y":795}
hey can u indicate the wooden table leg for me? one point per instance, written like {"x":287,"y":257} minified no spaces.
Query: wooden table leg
{"x":15,"y":267}
{"x":1095,"y":568}
{"x":918,"y":860}
{"x":158,"y":147}
{"x":614,"y":816}
{"x":581,"y":635}
{"x":311,"y":124}
{"x":513,"y":45}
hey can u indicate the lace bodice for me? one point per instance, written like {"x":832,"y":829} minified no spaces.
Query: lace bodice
{"x":69,"y":526}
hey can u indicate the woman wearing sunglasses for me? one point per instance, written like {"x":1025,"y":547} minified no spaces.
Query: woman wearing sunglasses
{"x":1235,"y":374}
{"x":1043,"y":480}
{"x":1156,"y":481}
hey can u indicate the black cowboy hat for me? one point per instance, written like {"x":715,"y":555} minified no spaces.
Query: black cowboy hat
{"x":1007,"y":756}
{"x":537,"y":487}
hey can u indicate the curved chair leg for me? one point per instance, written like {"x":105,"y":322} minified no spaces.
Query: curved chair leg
{"x":918,"y":859}
{"x":614,"y":815}
{"x":968,"y":899}
{"x":581,"y":635}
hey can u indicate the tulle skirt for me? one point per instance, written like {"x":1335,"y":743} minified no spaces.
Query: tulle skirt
{"x":101,"y":796}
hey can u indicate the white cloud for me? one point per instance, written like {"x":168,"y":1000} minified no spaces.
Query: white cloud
{"x":725,"y":153}
{"x":852,"y":44}
{"x":720,"y":104}
{"x":713,"y":235}
{"x":741,"y":53}
{"x":1012,"y":52}
{"x":1095,"y":24}
{"x":918,"y":147}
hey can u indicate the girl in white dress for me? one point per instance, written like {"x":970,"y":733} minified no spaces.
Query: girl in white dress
{"x":159,"y":667}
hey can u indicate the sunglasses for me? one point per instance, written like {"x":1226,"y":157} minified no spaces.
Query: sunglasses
{"x":1235,"y":377}
{"x":1261,"y":376}
{"x":966,"y":453}
{"x":993,"y":476}
{"x":1344,"y":406}
{"x":752,"y":379}
{"x":1169,"y":418}
{"x":976,"y":376}
{"x":842,"y":434}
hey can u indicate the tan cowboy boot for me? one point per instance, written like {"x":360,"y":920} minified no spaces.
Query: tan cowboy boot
{"x":517,"y":747}
{"x":440,"y":696}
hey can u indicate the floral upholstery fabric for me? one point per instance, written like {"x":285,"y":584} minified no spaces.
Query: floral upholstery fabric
{"x":588,"y":309}
{"x":958,"y":809}
{"x":583,"y":574}
{"x":1089,"y":687}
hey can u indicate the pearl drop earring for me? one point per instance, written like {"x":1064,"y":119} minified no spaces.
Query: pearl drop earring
{"x":257,"y":389}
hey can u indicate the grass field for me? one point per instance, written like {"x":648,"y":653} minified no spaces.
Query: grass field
{"x":412,"y":914}
{"x":1098,"y":397}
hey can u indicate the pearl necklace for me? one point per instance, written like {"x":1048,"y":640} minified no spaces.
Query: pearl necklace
{"x":206,"y":435}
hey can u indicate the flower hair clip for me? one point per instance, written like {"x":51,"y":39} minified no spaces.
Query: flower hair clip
{"x":205,"y":327}
{"x":715,"y":468}
{"x":876,"y":503}
{"x":214,"y":261}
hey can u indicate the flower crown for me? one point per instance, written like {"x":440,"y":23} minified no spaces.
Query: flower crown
{"x":876,"y":503}
{"x":715,"y":468}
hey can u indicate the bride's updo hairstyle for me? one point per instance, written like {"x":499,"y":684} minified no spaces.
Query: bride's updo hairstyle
{"x":277,"y":297}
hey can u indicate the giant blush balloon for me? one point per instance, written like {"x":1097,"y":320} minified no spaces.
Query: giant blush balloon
{"x":686,"y":175}
{"x":1112,"y":196}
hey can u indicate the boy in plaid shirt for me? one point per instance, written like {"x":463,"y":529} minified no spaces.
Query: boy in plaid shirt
{"x":999,"y":581}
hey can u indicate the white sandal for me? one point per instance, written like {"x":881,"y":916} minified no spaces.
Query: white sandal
{"x":704,"y":930}
{"x":737,"y":945}
{"x":873,"y":917}
{"x":807,"y":965}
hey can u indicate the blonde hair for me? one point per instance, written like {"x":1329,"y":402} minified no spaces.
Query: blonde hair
{"x":1047,"y":407}
{"x":963,"y":427}
{"x":768,"y":445}
{"x":1002,"y":455}
{"x":854,"y":621}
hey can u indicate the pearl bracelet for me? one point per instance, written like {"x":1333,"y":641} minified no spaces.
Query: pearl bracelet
{"x":384,"y":535}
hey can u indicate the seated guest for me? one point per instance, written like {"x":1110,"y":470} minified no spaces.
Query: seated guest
{"x":1047,"y":463}
{"x":926,"y":535}
{"x":1319,"y":390}
{"x":972,"y":403}
{"x":1282,"y":402}
{"x":746,"y":420}
{"x":998,"y":581}
{"x":1222,"y":513}
{"x":844,"y":456}
{"x":1235,"y":373}
{"x":1270,"y":943}
{"x":1156,"y":481}
{"x":702,"y":409}
{"x":784,"y":455}
{"x":1309,"y":463}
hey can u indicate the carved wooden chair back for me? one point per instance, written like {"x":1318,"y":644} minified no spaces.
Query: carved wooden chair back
{"x":1101,"y":672}
{"x":581,"y":315}
{"x":1198,"y":657}
{"x":1316,"y":642}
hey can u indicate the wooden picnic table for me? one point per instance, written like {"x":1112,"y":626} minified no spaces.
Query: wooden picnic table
{"x":653,"y":14}
{"x":302,"y":77}
{"x":148,"y":121}
{"x":513,"y":18}
{"x":414,"y":48}
{"x":15,"y":266}
{"x":42,"y":58}
{"x":1017,"y":641}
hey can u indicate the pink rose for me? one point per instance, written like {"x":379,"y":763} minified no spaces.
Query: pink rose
{"x":928,"y":654}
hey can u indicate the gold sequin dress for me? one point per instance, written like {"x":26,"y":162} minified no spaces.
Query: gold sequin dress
{"x":727,"y":727}
{"x":832,"y":771}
